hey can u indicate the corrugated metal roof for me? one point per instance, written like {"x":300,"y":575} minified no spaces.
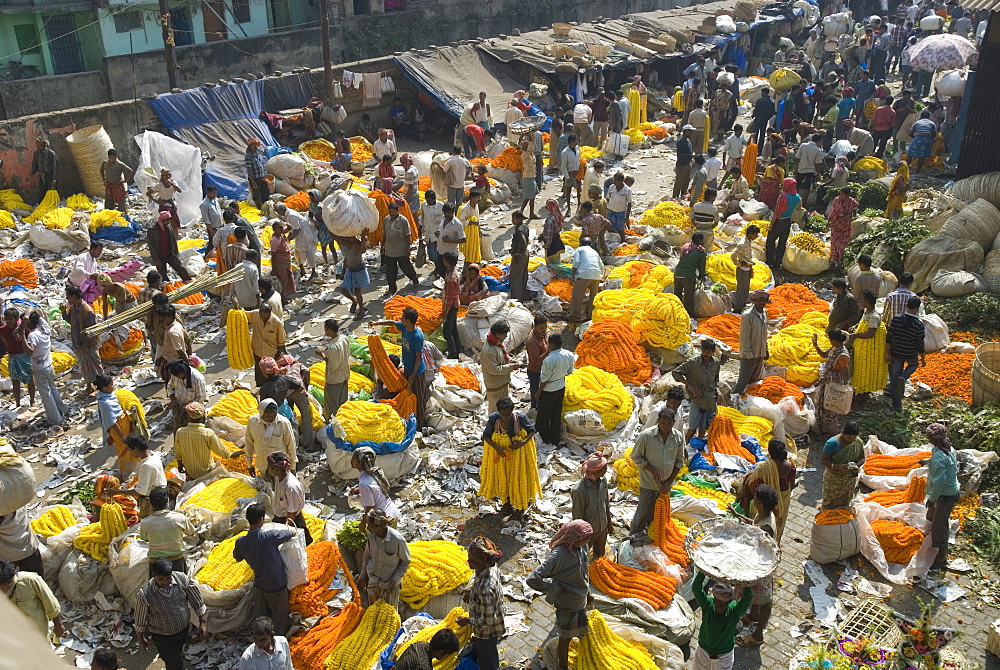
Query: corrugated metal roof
{"x":991,"y":5}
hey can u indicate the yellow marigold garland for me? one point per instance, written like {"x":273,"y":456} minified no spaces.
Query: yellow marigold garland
{"x":436,"y":567}
{"x":221,"y":571}
{"x":592,"y":388}
{"x":361,"y":648}
{"x":514,"y":475}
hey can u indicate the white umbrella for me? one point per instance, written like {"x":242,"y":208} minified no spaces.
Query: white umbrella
{"x":941,"y":52}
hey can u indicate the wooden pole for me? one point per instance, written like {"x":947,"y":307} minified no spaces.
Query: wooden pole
{"x":324,"y":8}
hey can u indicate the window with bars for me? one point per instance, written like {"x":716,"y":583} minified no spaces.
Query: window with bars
{"x":241,"y":10}
{"x":26,"y":35}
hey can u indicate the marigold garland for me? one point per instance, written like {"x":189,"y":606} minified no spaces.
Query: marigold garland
{"x":324,"y":560}
{"x":756,"y":426}
{"x":509,"y":159}
{"x":560,"y":288}
{"x":464,"y":634}
{"x":94,"y":538}
{"x":221,"y":496}
{"x":492,"y":271}
{"x":834,"y":517}
{"x":54,"y":521}
{"x":948,"y":374}
{"x":238,"y":405}
{"x":916,"y":491}
{"x":792,"y":301}
{"x":601,"y":649}
{"x":643,"y":274}
{"x":626,"y":250}
{"x":776,"y":388}
{"x":382,"y":205}
{"x":723,"y":327}
{"x":662,"y":322}
{"x":436,"y":567}
{"x":591,"y":388}
{"x":111,"y":350}
{"x":665,"y":533}
{"x":626,"y":473}
{"x":461,"y":376}
{"x":236,"y":464}
{"x":899,"y":541}
{"x":621,"y":581}
{"x":720,"y":497}
{"x":428,"y":311}
{"x":612,"y":346}
{"x":222,"y":572}
{"x":311,"y":649}
{"x":792,"y":348}
{"x":20,"y":271}
{"x":668,"y":213}
{"x":513,"y":476}
{"x":364,"y":421}
{"x":720,"y":268}
{"x":620,"y":304}
{"x":195,"y":299}
{"x":299,"y":201}
{"x":883,"y":465}
{"x":722,"y":439}
{"x":361,"y":648}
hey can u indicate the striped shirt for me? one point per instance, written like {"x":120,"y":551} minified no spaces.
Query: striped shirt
{"x":165,"y":611}
{"x":895,"y":303}
{"x":165,"y":531}
{"x":905,"y":336}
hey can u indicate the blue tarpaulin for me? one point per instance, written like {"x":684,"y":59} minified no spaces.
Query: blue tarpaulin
{"x":218,"y":121}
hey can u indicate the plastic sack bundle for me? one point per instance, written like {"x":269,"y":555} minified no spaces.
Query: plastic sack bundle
{"x":334,"y":434}
{"x":350,"y":214}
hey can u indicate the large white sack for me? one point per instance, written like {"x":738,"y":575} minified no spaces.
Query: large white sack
{"x":956,"y":284}
{"x":129,"y":565}
{"x":912,"y":514}
{"x":936,"y":336}
{"x":75,"y":238}
{"x":81,"y":577}
{"x":349,"y":213}
{"x":952,"y":84}
{"x":834,"y":542}
{"x":158,"y":151}
{"x":17,"y":481}
{"x":288,"y":167}
{"x":475,"y":325}
{"x":395,"y":466}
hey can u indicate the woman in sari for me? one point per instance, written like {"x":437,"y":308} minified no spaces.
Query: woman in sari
{"x":551,"y":229}
{"x":473,"y":286}
{"x":281,"y":258}
{"x":843,"y":456}
{"x":870,"y":370}
{"x":835,"y":370}
{"x":770,"y":187}
{"x":842,"y":211}
{"x":778,"y":472}
{"x":897,"y":192}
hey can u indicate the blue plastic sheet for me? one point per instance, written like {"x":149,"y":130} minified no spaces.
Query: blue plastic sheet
{"x":497,"y":285}
{"x":380,"y":448}
{"x":119,"y":234}
{"x":386,"y":655}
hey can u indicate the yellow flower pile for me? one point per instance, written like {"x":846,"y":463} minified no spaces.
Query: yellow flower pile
{"x":238,"y":340}
{"x":436,"y":567}
{"x":533,"y":263}
{"x":601,"y":649}
{"x":643,"y":274}
{"x":238,"y":405}
{"x":112,"y":217}
{"x":620,"y":304}
{"x":221,"y":571}
{"x":873,"y":164}
{"x":668,"y":213}
{"x":721,"y":498}
{"x":809,"y":243}
{"x":757,"y":426}
{"x":53,"y":522}
{"x":635,"y":136}
{"x":370,"y":422}
{"x":514,"y":476}
{"x":721,"y":268}
{"x":6,"y":219}
{"x":249,"y":212}
{"x":792,"y":349}
{"x":315,"y":525}
{"x":221,"y":496}
{"x":571,"y":238}
{"x":61,"y":362}
{"x":588,"y":153}
{"x":11,"y":200}
{"x":662,"y":322}
{"x":94,"y":539}
{"x":48,"y":203}
{"x":592,"y":388}
{"x":357,"y":382}
{"x":626,"y":473}
{"x":464,"y":634}
{"x":763,"y":224}
{"x":58,"y":218}
{"x":361,"y":648}
{"x":79,"y":201}
{"x":315,"y":411}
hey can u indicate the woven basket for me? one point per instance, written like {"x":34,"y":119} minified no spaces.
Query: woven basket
{"x":123,"y":361}
{"x":873,"y":619}
{"x":759,"y":554}
{"x":639,"y":36}
{"x":90,"y":147}
{"x":599,"y":51}
{"x":681,"y":36}
{"x":561,"y":29}
{"x":659,"y":47}
{"x":744,"y":11}
{"x":669,"y":40}
{"x":986,"y":374}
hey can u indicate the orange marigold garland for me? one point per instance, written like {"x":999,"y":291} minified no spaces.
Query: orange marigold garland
{"x":324,"y":561}
{"x":776,"y":388}
{"x":626,"y":250}
{"x":949,"y":374}
{"x":458,"y":375}
{"x":724,"y":327}
{"x":196,"y":299}
{"x":509,"y":159}
{"x":560,"y":288}
{"x":665,"y":533}
{"x":834,"y":517}
{"x":233,"y":463}
{"x":382,"y":205}
{"x":20,"y":271}
{"x":299,"y":201}
{"x":621,"y":581}
{"x":311,"y":649}
{"x":723,"y":439}
{"x":915,"y":492}
{"x":791,"y":301}
{"x":883,"y":465}
{"x":899,"y":541}
{"x":612,"y":346}
{"x":111,"y":350}
{"x":428,"y":311}
{"x":492,"y":271}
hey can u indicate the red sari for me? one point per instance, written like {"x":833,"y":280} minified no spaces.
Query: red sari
{"x":842,"y":210}
{"x":281,"y":263}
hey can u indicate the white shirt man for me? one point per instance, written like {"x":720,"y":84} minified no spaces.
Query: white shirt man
{"x":380,"y":148}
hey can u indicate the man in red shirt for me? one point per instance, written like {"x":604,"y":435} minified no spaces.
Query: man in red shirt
{"x":476,"y":137}
{"x":602,"y":116}
{"x":18,"y":361}
{"x":883,"y":123}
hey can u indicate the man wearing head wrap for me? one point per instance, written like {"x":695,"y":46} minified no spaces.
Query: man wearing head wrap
{"x":373,"y":487}
{"x":658,"y":453}
{"x":268,"y":432}
{"x":484,"y":600}
{"x":289,"y":494}
{"x":276,"y":386}
{"x":753,"y":341}
{"x":720,"y":616}
{"x":161,"y":238}
{"x":942,"y":490}
{"x":195,"y":443}
{"x":564,"y":580}
{"x":114,"y":293}
{"x":255,"y":161}
{"x":591,"y":502}
{"x":386,"y":560}
{"x":781,"y":223}
{"x":300,"y":399}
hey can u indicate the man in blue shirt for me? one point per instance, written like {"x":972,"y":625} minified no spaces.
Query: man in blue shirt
{"x":844,"y":110}
{"x":259,"y":548}
{"x":551,"y":388}
{"x":413,"y":359}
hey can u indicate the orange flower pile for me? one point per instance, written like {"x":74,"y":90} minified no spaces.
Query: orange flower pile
{"x":949,"y":375}
{"x":655,"y":133}
{"x":109,"y":350}
{"x":626,"y":250}
{"x":882,"y":465}
{"x":20,"y":271}
{"x":510,"y":159}
{"x":665,"y":533}
{"x":299,"y":202}
{"x":482,"y":160}
{"x":360,"y":151}
{"x":776,"y":388}
{"x":724,"y":327}
{"x":915,"y":492}
{"x":834,"y":517}
{"x":621,"y":581}
{"x":899,"y":541}
{"x":311,"y":649}
{"x":196,"y":299}
{"x":405,"y":402}
{"x":458,"y":375}
{"x":791,"y":301}
{"x":382,"y":205}
{"x":324,"y":560}
{"x":613,"y":347}
{"x":723,"y":439}
{"x":423,"y":184}
{"x":491,"y":271}
{"x":428,"y":311}
{"x":235,"y":463}
{"x":560,"y":288}
{"x":637,"y":272}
